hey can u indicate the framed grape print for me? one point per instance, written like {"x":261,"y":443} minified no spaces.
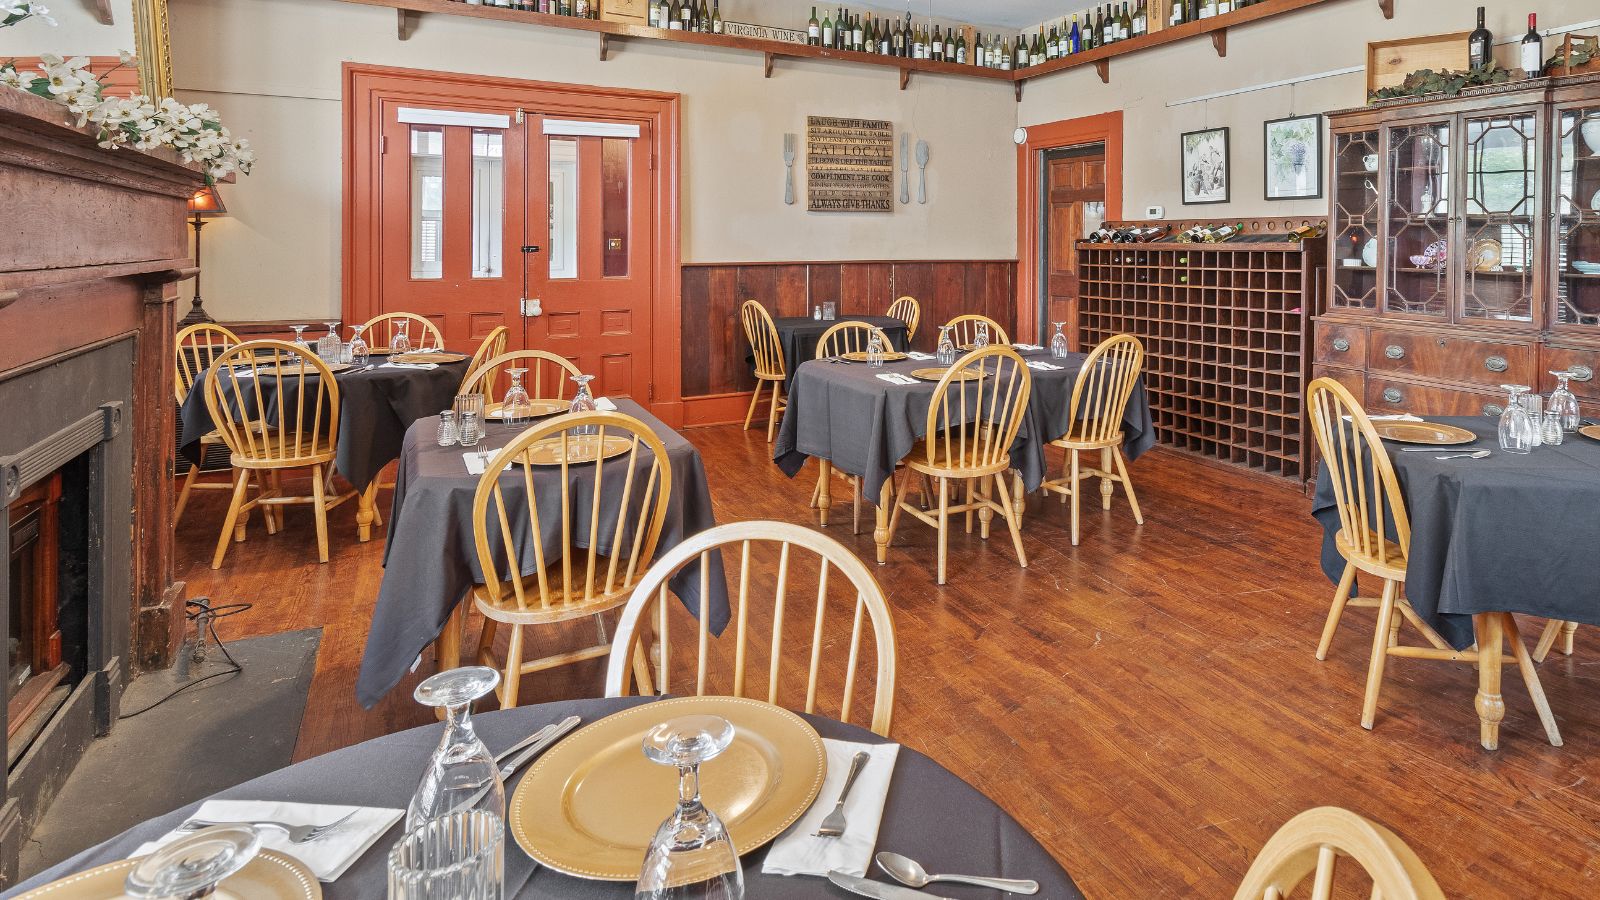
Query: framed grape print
{"x":1293,"y":158}
{"x":1205,"y":166}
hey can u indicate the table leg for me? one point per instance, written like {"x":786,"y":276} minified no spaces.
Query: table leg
{"x":1490,"y":704}
{"x":824,"y":497}
{"x":880,"y":530}
{"x":1567,"y":632}
{"x":366,"y":511}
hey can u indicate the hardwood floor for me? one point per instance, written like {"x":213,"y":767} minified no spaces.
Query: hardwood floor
{"x":1148,"y":704}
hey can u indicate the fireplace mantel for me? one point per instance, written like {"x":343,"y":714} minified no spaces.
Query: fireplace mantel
{"x":93,"y":244}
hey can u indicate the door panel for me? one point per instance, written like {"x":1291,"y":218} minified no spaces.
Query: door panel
{"x":1074,"y":197}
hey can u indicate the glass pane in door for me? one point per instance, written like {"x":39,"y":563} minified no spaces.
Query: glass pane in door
{"x":1577,"y":208}
{"x":616,"y":166}
{"x":563,"y":208}
{"x":427,"y":202}
{"x":1355,"y":220}
{"x":1497,"y":269}
{"x":1419,"y":210}
{"x":488,"y":203}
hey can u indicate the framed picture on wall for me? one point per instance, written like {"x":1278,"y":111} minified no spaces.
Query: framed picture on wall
{"x":1205,"y":166}
{"x":1293,"y":156}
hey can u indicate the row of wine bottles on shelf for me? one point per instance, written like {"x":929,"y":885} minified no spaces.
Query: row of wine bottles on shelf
{"x":581,"y":9}
{"x":1480,"y":47}
{"x":1199,"y":234}
{"x":674,"y":15}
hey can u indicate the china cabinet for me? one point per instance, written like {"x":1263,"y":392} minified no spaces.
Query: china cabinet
{"x":1464,"y":246}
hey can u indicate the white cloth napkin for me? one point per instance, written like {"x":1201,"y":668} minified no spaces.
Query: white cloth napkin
{"x":328,"y":856}
{"x":477,"y":460}
{"x":1026,"y":347}
{"x":604,"y":403}
{"x":1042,"y":366}
{"x":799,"y":851}
{"x":897,"y":378}
{"x":395,"y":365}
{"x":919,"y":355}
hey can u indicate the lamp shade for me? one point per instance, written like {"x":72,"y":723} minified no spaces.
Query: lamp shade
{"x":207,"y":203}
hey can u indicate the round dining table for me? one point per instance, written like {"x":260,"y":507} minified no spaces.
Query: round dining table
{"x":930,"y":815}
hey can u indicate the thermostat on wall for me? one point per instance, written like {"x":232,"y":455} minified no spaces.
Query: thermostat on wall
{"x":1155,"y":212}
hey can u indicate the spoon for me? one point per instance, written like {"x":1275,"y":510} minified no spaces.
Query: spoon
{"x":909,"y":872}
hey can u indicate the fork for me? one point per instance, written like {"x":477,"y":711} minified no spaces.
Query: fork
{"x":834,"y":825}
{"x":788,"y":163}
{"x":298,"y":834}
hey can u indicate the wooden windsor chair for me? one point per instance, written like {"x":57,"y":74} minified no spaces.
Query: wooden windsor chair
{"x":799,"y":551}
{"x":909,"y":311}
{"x":1375,"y":537}
{"x":592,"y":568}
{"x":549,"y":377}
{"x":770,"y":369}
{"x":380,"y":331}
{"x":964,"y":329}
{"x":196,"y":347}
{"x":842,"y":338}
{"x":1099,"y":398}
{"x":1311,"y":844}
{"x":492,"y":345}
{"x":971,"y":426}
{"x":291,"y":424}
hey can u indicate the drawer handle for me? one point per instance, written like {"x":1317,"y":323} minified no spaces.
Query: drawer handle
{"x":1392,"y":395}
{"x":1581,"y":373}
{"x":1493,"y":409}
{"x":1394,"y":351}
{"x":1496,"y":364}
{"x":1341,"y":344}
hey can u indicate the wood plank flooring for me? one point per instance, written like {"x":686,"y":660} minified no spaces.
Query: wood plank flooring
{"x":1148,"y":704}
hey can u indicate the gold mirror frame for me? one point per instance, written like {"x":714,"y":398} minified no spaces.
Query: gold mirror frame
{"x":152,"y":43}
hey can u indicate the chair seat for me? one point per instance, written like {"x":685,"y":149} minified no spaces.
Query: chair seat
{"x":211,"y":439}
{"x":562,"y":607}
{"x":917,"y":461}
{"x":771,"y":376}
{"x":1394,"y":569}
{"x":1077,"y":441}
{"x":307,"y":453}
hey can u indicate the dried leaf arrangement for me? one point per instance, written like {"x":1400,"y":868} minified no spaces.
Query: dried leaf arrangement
{"x":1427,"y":81}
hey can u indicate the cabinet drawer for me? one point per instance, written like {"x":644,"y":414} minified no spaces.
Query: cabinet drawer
{"x":1354,"y":380}
{"x":1586,"y":361}
{"x":1447,"y":358}
{"x":1341,"y":345}
{"x":1386,"y":397}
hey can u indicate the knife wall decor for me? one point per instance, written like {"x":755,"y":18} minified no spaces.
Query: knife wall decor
{"x":849,"y":165}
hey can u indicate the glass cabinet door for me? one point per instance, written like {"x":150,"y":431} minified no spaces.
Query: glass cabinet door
{"x":1498,"y":215}
{"x":1576,"y":267}
{"x":1355,"y":220}
{"x":1418,"y":211}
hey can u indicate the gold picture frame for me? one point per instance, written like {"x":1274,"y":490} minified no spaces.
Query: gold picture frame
{"x":153,"y":45}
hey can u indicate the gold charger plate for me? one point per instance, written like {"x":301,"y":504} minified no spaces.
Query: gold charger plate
{"x":419,"y":357}
{"x":861,"y":356}
{"x":540,"y":408}
{"x":590,"y":805}
{"x":270,"y":876}
{"x":1592,"y":432}
{"x":1423,"y":433}
{"x":935,"y":373}
{"x":577,"y":449}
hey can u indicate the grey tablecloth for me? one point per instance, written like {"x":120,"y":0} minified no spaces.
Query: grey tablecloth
{"x":376,"y":406}
{"x":844,"y":413}
{"x":931,"y":815}
{"x":1509,"y":533}
{"x":431,"y":561}
{"x":798,"y":335}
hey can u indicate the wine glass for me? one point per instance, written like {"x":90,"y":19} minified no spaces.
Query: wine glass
{"x":875,"y":351}
{"x":458,"y":857}
{"x":193,"y":866}
{"x":583,"y":402}
{"x":399,"y":337}
{"x":359,"y":351}
{"x":1564,"y":404}
{"x":946,"y":354}
{"x":328,"y":344}
{"x":980,"y":336}
{"x":300,"y":341}
{"x":1058,"y":344}
{"x":691,"y":856}
{"x":1516,"y":427}
{"x":517,"y":407}
{"x":462,"y":774}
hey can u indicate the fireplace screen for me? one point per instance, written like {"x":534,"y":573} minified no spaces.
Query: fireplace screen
{"x":34,"y":663}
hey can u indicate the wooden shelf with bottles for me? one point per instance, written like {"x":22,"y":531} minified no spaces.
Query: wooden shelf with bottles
{"x":1226,"y":336}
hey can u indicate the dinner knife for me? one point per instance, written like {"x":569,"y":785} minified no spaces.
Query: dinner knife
{"x":525,"y":743}
{"x":558,"y":731}
{"x":878,"y":889}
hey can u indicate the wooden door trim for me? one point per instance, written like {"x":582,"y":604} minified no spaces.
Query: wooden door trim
{"x":367,"y":86}
{"x":1106,"y":129}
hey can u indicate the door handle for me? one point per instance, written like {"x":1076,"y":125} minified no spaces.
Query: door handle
{"x":531,"y":307}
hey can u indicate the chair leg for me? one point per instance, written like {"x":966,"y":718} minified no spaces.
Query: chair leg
{"x":985,"y":514}
{"x":642,"y":683}
{"x":1106,"y":486}
{"x":485,"y":655}
{"x":1072,"y":482}
{"x":319,"y":507}
{"x":894,"y":515}
{"x":264,"y":490}
{"x":855,"y":504}
{"x":772,"y":417}
{"x":1530,"y":678}
{"x":1019,"y":495}
{"x":241,"y":484}
{"x":1380,"y":653}
{"x":969,"y":506}
{"x":1127,"y":485}
{"x":944,"y":523}
{"x":754,"y":399}
{"x":277,"y":491}
{"x":1568,"y":632}
{"x":183,"y":493}
{"x":1013,"y":520}
{"x":513,"y":673}
{"x":1336,"y":610}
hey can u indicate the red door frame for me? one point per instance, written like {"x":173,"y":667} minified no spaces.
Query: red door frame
{"x":367,"y":86}
{"x":1106,"y":129}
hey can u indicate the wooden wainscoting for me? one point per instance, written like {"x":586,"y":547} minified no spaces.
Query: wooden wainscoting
{"x":716,"y":378}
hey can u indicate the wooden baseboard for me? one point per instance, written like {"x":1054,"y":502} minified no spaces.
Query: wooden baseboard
{"x":717,"y":409}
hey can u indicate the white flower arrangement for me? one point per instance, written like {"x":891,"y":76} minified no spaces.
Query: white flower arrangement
{"x":194,"y":131}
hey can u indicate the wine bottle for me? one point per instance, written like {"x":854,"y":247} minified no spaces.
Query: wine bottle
{"x":858,"y":38}
{"x":1219,"y":235}
{"x":716,"y":16}
{"x":1075,"y":38}
{"x":918,"y":49}
{"x":1108,"y":27}
{"x":897,"y":41}
{"x":1141,"y":20}
{"x":1533,"y":48}
{"x":980,"y":53}
{"x":675,"y":16}
{"x":813,"y":29}
{"x":1180,"y":12}
{"x":1208,"y":8}
{"x":580,"y":8}
{"x":825,"y":32}
{"x":1480,"y":45}
{"x":961,"y":48}
{"x":1125,"y":24}
{"x":1305,"y":233}
{"x":869,"y":36}
{"x":1101,"y":235}
{"x":885,"y":39}
{"x":1224,"y":7}
{"x":1051,"y":46}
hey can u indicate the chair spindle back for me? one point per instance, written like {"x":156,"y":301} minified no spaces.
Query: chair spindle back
{"x":963,"y":330}
{"x":549,"y":376}
{"x":762,"y":334}
{"x":1312,"y":843}
{"x":197,"y":347}
{"x":972,"y":423}
{"x":909,"y":311}
{"x":270,"y":409}
{"x":1364,"y":484}
{"x":1100,"y":395}
{"x":492,"y":345}
{"x":380,"y":330}
{"x":850,"y":337}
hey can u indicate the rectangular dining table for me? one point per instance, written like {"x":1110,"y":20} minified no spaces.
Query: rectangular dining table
{"x":431,"y":561}
{"x":851,"y":420}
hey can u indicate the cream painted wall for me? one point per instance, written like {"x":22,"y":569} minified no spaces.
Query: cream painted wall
{"x":272,"y":67}
{"x":78,"y":32}
{"x":1306,"y":43}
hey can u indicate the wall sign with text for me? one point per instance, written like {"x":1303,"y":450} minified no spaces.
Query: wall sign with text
{"x":849,"y":165}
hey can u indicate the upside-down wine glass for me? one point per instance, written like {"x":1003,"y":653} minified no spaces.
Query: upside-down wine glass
{"x":583,"y":402}
{"x":980,"y":336}
{"x":517,"y":407}
{"x":462,"y":774}
{"x":1058,"y":344}
{"x":1564,"y":404}
{"x":875,"y":351}
{"x":399,"y":336}
{"x":691,"y":856}
{"x":946,"y":354}
{"x":359,"y":351}
{"x":1516,"y":427}
{"x":193,"y":866}
{"x":300,"y":341}
{"x":328,"y":345}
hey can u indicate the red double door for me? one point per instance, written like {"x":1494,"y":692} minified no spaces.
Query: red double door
{"x":502,"y":215}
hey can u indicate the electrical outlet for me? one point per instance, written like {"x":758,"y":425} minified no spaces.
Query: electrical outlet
{"x":1155,"y":212}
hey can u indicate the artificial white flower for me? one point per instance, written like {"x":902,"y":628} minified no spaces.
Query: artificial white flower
{"x":12,"y":78}
{"x":126,"y":57}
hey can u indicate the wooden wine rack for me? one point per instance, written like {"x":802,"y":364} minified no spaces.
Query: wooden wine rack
{"x":1226,"y":332}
